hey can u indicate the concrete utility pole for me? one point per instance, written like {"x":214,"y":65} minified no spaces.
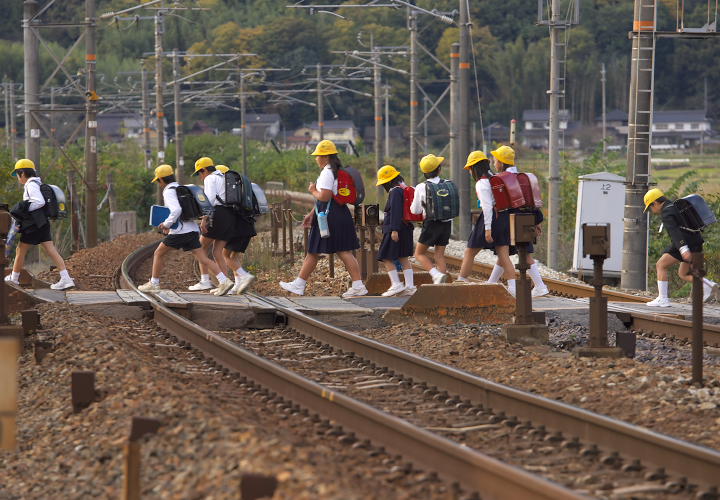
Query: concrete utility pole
{"x":159,"y":113}
{"x":412,"y":26}
{"x":455,"y":155}
{"x":320,"y":105}
{"x":32,"y":83}
{"x":91,"y":172}
{"x":179,"y":160}
{"x":52,"y":109}
{"x":464,"y":118}
{"x":146,"y":118}
{"x":13,"y":126}
{"x":602,"y":81}
{"x":243,"y":124}
{"x":386,"y":87}
{"x":6,"y":98}
{"x":425,"y":125}
{"x":377,"y":100}
{"x":557,"y":28}
{"x":635,"y":230}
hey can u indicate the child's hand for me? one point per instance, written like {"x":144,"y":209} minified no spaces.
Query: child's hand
{"x":395,"y":236}
{"x":488,"y":236}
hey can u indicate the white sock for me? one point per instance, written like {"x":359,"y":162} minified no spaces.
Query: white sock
{"x":64,"y":274}
{"x":15,"y":276}
{"x":155,"y":281}
{"x":409,"y":278}
{"x":496,"y":273}
{"x":435,"y":272}
{"x":709,"y":283}
{"x":394,"y":277}
{"x":241,"y":272}
{"x":534,"y":273}
{"x":511,"y":286}
{"x":663,"y":289}
{"x":357,"y":284}
{"x":462,"y":278}
{"x":299,"y":282}
{"x":204,"y":277}
{"x":221,"y":278}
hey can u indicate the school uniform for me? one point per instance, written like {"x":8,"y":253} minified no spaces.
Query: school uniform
{"x":498,"y":223}
{"x":30,"y":213}
{"x":434,"y":232}
{"x":222,"y":221}
{"x":681,"y":238}
{"x":539,"y":217}
{"x":340,"y":222}
{"x":186,"y":236}
{"x":393,"y":221}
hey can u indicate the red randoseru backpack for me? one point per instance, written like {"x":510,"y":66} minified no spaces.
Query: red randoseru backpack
{"x":506,"y":191}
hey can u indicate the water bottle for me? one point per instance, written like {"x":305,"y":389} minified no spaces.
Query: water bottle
{"x":322,"y":219}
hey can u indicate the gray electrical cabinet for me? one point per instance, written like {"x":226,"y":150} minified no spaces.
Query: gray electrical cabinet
{"x":601,"y":199}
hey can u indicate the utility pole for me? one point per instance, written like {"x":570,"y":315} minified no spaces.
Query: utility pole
{"x":13,"y":127}
{"x":6,"y":97}
{"x":455,"y":154}
{"x":243,"y":124}
{"x":179,"y":160}
{"x":52,"y":109}
{"x":425,"y":126}
{"x":556,"y":29}
{"x":386,"y":87}
{"x":412,"y":26}
{"x":159,"y":113}
{"x":464,"y":119}
{"x":320,"y":105}
{"x":32,"y":83}
{"x":604,"y":109}
{"x":635,"y":230}
{"x":146,"y":118}
{"x":377,"y":99}
{"x":91,"y":172}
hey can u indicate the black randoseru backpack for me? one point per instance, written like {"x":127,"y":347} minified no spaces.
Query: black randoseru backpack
{"x":190,"y":207}
{"x":238,"y":192}
{"x":54,"y":201}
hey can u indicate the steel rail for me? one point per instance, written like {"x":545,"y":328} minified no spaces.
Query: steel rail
{"x":475,"y":471}
{"x":686,"y":459}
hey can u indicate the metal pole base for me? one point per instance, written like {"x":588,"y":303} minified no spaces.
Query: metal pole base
{"x":526,"y":334}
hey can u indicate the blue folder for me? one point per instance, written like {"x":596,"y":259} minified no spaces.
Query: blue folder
{"x":158,"y":214}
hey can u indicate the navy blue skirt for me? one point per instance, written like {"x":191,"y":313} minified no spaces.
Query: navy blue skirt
{"x":500,"y":230}
{"x":342,"y":231}
{"x":391,"y":250}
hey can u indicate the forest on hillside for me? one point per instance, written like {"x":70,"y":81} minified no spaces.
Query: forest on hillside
{"x":511,"y":52}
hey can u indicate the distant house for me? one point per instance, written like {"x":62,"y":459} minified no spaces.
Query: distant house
{"x":497,"y":132}
{"x":536,"y":127}
{"x":671,"y":129}
{"x":261,"y":126}
{"x":117,"y":127}
{"x":200,"y":128}
{"x":341,"y":132}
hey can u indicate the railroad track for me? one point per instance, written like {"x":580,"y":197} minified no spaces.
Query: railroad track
{"x":650,"y":323}
{"x":451,"y":395}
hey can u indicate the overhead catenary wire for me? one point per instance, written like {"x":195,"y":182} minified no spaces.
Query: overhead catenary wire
{"x":477,"y":81}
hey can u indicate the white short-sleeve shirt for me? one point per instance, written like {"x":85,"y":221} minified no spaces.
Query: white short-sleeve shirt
{"x":326,"y":180}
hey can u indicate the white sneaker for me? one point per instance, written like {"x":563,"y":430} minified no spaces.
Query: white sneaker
{"x":512,"y":292}
{"x":355,"y":292}
{"x":223,"y":288}
{"x":8,"y":279}
{"x":63,"y":284}
{"x":539,"y":291}
{"x":659,"y":302}
{"x":149,"y":287}
{"x":292,"y":287}
{"x":409,"y":291}
{"x":201,"y":286}
{"x":241,"y":284}
{"x":462,"y":281}
{"x":709,"y":291}
{"x":394,"y":290}
{"x":440,"y":278}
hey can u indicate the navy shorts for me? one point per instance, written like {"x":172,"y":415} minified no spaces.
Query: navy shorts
{"x":34,"y":235}
{"x":184,"y":241}
{"x":238,"y":244}
{"x":435,"y":233}
{"x":222,"y":224}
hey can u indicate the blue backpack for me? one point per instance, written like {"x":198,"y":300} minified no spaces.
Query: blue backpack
{"x":442,"y":201}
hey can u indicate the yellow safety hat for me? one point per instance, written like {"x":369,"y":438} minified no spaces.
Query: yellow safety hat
{"x":325,"y":148}
{"x":386,"y":174}
{"x":430,"y":163}
{"x":473,"y":158}
{"x":162,"y":171}
{"x":22,"y":163}
{"x":222,"y":168}
{"x":505,"y":154}
{"x":652,"y":196}
{"x":203,"y":162}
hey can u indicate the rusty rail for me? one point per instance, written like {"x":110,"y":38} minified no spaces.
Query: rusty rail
{"x":478,"y":472}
